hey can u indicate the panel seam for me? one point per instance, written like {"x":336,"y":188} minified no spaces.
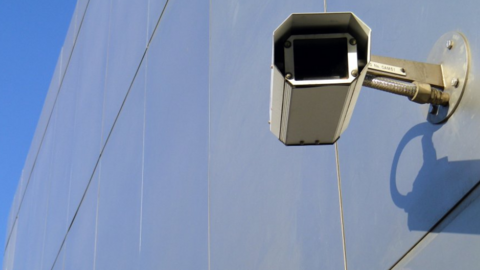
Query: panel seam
{"x":48,"y":121}
{"x":111,"y":130}
{"x":143,"y":145}
{"x":99,"y":184}
{"x":209,"y":263}
{"x":438,"y":224}
{"x":340,"y":199}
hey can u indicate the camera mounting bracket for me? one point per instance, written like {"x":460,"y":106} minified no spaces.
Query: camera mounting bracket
{"x":441,"y":84}
{"x":452,"y":52}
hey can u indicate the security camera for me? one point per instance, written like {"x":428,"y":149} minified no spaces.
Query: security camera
{"x":321,"y":61}
{"x":318,"y":62}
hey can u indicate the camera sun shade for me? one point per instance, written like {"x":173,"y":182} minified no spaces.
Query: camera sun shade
{"x":319,"y":63}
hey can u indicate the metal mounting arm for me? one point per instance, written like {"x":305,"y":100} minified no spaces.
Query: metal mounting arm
{"x":423,"y":82}
{"x":406,"y":70}
{"x":417,"y":79}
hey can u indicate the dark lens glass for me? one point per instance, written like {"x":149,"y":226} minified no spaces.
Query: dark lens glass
{"x":325,"y":58}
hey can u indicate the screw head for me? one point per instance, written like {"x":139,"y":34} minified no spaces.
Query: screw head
{"x":455,"y":82}
{"x":449,"y":44}
{"x":287,"y":44}
{"x":353,"y":41}
{"x":288,"y":76}
{"x":354,"y":73}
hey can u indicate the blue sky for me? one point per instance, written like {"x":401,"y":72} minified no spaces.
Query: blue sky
{"x":32,"y":33}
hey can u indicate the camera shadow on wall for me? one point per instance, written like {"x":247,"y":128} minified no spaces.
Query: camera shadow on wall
{"x":434,"y":184}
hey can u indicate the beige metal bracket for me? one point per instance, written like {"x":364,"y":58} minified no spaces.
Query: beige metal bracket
{"x":406,"y":70}
{"x":441,"y":82}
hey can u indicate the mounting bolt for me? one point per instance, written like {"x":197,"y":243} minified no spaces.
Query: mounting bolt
{"x":449,"y":44}
{"x":288,"y":76}
{"x":353,"y":41}
{"x":454,"y":82}
{"x":354,"y":73}
{"x":287,"y":44}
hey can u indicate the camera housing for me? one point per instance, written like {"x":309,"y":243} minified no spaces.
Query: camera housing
{"x":319,"y":63}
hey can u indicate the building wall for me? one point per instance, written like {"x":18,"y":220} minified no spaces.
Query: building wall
{"x":153,"y":149}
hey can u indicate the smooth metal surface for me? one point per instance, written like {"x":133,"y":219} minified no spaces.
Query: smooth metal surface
{"x":120,"y":191}
{"x":86,"y":85}
{"x":175,"y":177}
{"x":440,"y":163}
{"x":276,"y":98}
{"x":155,"y":10}
{"x":10,"y":252}
{"x":455,"y":61}
{"x":56,"y":217}
{"x":271,"y":206}
{"x":81,"y":238}
{"x":36,"y":143}
{"x":50,"y":101}
{"x":453,"y":244}
{"x":127,"y":41}
{"x":59,"y":265}
{"x":32,"y":221}
{"x":407,"y":70}
{"x":218,"y":191}
{"x":304,"y":121}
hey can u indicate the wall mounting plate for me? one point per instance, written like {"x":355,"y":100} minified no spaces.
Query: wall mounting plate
{"x":451,"y":51}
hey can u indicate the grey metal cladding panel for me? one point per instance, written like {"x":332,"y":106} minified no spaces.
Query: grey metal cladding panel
{"x":59,"y":263}
{"x":401,"y":174}
{"x":268,"y":218}
{"x":155,"y":8}
{"x":126,"y":46}
{"x":31,"y":223}
{"x":37,"y":138}
{"x":271,"y":206}
{"x":56,"y":218}
{"x":455,"y":247}
{"x":69,"y":43}
{"x":74,"y":29}
{"x":10,"y":222}
{"x":175,"y":198}
{"x":59,"y":151}
{"x":12,"y":215}
{"x":16,"y":204}
{"x":80,"y":10}
{"x":86,"y":78}
{"x":454,"y":244}
{"x":78,"y":250}
{"x":120,"y":186}
{"x":9,"y":255}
